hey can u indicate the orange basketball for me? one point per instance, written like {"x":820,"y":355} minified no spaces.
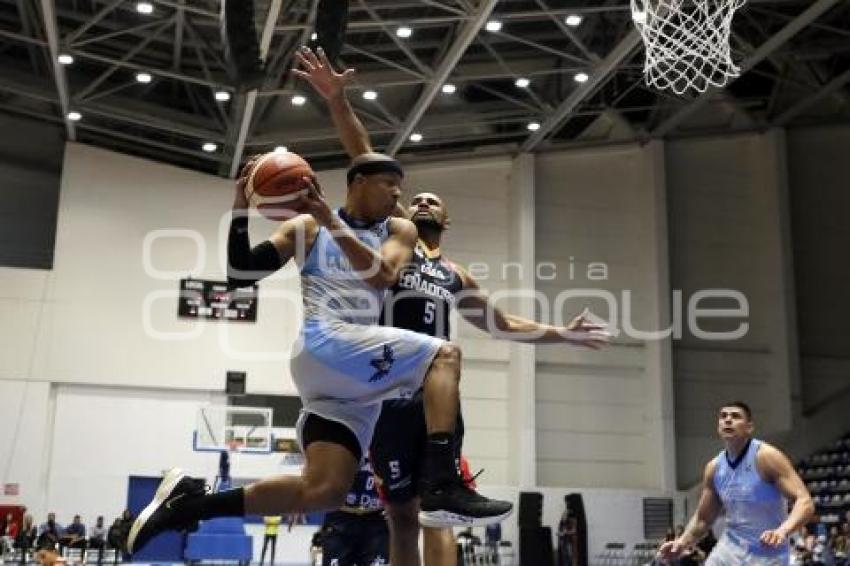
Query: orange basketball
{"x":275,"y":181}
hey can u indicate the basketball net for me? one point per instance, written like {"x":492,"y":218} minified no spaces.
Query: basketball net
{"x":686,"y":42}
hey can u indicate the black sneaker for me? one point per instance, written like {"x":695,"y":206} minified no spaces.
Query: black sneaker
{"x":161,"y":514}
{"x":455,"y":504}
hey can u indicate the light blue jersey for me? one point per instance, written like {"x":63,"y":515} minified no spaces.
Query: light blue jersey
{"x":344,"y":364}
{"x":752,"y":506}
{"x":330,"y":287}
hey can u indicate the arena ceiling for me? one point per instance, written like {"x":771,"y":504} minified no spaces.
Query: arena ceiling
{"x":795,"y":54}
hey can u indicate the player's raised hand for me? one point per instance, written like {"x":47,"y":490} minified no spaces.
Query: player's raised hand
{"x":583,"y":331}
{"x":773,"y":538}
{"x":316,"y":69}
{"x":670,"y":550}
{"x":240,"y":201}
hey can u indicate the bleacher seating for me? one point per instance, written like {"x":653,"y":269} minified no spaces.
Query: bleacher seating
{"x":827,"y":476}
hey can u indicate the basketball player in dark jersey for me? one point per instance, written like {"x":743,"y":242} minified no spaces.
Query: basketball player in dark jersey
{"x":356,"y":534}
{"x":427,"y":289}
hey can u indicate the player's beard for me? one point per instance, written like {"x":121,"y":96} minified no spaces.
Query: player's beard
{"x":428,"y":224}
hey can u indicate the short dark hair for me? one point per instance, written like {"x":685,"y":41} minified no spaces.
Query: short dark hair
{"x":741,"y":405}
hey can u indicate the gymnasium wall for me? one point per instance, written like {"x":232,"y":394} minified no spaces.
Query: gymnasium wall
{"x":819,"y":177}
{"x":729,"y":230}
{"x":604,"y":419}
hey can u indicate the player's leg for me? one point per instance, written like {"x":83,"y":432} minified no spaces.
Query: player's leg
{"x":403,"y":521}
{"x":396,"y":455}
{"x":446,"y":500}
{"x":439,"y":547}
{"x":327,"y":475}
{"x":374,"y":542}
{"x":332,"y":454}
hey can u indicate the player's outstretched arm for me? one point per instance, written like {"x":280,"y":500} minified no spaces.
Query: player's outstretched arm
{"x":479,"y":310}
{"x":775,"y":467}
{"x":316,"y":69}
{"x":708,"y":509}
{"x":247,"y":265}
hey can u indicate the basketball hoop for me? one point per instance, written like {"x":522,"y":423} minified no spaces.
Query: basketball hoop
{"x":686,"y":42}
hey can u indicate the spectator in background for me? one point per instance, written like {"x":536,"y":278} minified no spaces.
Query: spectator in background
{"x":97,"y":537}
{"x":49,"y":533}
{"x":492,"y":537}
{"x":838,"y":545}
{"x":27,"y":535}
{"x":8,"y":532}
{"x":75,"y":534}
{"x":670,"y":535}
{"x":567,"y":530}
{"x":114,"y":534}
{"x":272,"y":524}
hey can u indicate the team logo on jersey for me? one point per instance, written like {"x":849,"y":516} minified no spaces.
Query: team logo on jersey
{"x":383,"y":364}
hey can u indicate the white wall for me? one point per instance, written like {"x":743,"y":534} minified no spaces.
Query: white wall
{"x":25,"y":419}
{"x":604,"y":419}
{"x":86,"y":319}
{"x":728,"y":230}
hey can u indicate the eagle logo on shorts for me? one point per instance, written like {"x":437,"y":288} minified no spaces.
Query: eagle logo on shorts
{"x":383,"y":364}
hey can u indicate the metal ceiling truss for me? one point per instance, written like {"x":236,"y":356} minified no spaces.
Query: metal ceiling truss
{"x":795,"y":61}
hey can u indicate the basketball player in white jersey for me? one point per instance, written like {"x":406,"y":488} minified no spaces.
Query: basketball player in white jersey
{"x":422,"y":299}
{"x":752,"y":483}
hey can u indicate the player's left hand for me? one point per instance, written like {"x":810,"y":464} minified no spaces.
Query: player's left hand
{"x":582,"y":331}
{"x":319,"y":72}
{"x":314,"y":202}
{"x":774,"y":538}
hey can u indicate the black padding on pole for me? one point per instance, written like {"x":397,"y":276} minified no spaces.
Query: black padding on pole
{"x":331,"y":23}
{"x":241,"y":48}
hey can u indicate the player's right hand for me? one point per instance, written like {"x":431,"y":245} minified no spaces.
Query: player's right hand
{"x":670,"y":550}
{"x":240,"y":201}
{"x":316,"y":69}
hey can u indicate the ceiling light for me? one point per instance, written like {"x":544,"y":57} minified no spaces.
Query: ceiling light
{"x":404,"y":31}
{"x":144,"y":8}
{"x":281,"y":149}
{"x":209,"y":147}
{"x":449,"y":88}
{"x":533,"y":126}
{"x":144,"y":78}
{"x":573,"y":20}
{"x":416,"y":137}
{"x":65,"y":59}
{"x":298,"y":100}
{"x":522,"y":82}
{"x":493,"y":25}
{"x":370,"y":95}
{"x":581,"y":77}
{"x":222,"y":95}
{"x":75,"y":116}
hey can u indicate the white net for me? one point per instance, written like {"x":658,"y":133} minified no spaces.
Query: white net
{"x":687,"y":42}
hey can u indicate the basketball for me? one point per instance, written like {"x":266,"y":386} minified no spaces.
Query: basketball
{"x":275,"y":182}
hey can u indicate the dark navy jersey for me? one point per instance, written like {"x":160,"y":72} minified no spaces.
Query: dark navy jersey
{"x":363,"y":494}
{"x":422,"y":299}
